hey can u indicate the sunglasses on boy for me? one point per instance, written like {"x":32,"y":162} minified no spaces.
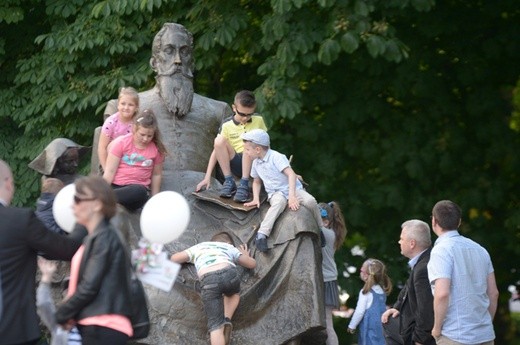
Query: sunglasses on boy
{"x":243,"y":114}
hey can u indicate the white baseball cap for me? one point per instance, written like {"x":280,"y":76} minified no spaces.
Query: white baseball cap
{"x":257,"y":136}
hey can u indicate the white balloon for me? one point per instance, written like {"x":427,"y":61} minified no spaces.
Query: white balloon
{"x":62,"y":208}
{"x":165,"y":217}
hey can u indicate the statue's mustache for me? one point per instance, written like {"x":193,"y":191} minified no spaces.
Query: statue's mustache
{"x":176,"y":71}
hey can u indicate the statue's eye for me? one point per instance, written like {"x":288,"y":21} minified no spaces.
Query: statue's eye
{"x":185,"y":51}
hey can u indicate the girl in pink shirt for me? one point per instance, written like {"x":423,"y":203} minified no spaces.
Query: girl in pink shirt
{"x":135,"y":161}
{"x":119,"y":123}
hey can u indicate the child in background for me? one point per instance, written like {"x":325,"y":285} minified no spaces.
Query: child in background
{"x":46,"y":309}
{"x":135,"y":162}
{"x":281,"y":184}
{"x":334,"y":232}
{"x":371,"y":303}
{"x":219,"y":281}
{"x":119,"y":123}
{"x":50,"y":187}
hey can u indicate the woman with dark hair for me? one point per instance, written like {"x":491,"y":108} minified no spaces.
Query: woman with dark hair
{"x":98,"y":300}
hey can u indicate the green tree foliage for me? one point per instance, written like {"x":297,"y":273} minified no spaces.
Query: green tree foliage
{"x":386,"y":105}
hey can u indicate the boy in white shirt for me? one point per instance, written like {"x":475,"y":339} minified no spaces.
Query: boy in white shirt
{"x":215,"y":262}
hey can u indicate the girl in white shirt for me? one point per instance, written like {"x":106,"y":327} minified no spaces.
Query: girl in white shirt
{"x":371,"y":303}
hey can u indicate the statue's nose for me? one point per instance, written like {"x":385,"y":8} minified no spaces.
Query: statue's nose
{"x":177,"y":58}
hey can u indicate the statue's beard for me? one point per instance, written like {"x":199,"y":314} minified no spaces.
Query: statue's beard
{"x":176,"y":91}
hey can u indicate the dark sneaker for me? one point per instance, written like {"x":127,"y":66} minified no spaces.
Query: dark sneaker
{"x":228,"y":327}
{"x":228,"y":189}
{"x":261,"y":244}
{"x":242,"y":194}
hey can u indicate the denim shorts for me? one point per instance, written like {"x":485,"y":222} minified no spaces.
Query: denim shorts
{"x":213,"y":286}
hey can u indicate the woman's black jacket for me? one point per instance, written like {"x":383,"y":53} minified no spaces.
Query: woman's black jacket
{"x":103,"y":278}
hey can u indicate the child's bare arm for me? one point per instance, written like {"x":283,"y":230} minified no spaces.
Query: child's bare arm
{"x":245,"y":259}
{"x":293,"y":202}
{"x":47,"y":268}
{"x":257,"y":184}
{"x":180,"y":257}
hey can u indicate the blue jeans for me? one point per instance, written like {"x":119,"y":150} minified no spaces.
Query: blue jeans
{"x":213,"y":286}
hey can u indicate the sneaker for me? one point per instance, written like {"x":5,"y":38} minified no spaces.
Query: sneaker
{"x":242,"y":194}
{"x":261,"y":244}
{"x":228,"y":189}
{"x":228,"y":327}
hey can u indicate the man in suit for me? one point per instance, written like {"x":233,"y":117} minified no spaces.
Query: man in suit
{"x":22,"y":236}
{"x":410,"y":321}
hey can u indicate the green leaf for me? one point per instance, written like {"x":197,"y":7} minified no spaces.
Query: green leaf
{"x":281,"y":6}
{"x":329,"y":51}
{"x":361,"y":8}
{"x":375,"y":45}
{"x":349,"y":42}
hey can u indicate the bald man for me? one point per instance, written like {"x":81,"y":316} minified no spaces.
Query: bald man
{"x":22,"y":237}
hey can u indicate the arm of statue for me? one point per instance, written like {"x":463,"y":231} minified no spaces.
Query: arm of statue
{"x":293,"y":202}
{"x":245,"y":259}
{"x":155,"y":187}
{"x":257,"y":184}
{"x":209,"y":170}
{"x":111,"y":167}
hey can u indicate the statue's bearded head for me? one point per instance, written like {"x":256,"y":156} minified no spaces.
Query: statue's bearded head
{"x":172,"y":60}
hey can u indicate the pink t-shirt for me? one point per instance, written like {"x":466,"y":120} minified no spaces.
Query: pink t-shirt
{"x":114,"y":321}
{"x":135,"y":164}
{"x":113,"y":127}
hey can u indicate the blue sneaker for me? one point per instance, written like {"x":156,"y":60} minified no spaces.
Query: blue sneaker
{"x":229,"y":188}
{"x":242,"y":194}
{"x":261,"y":244}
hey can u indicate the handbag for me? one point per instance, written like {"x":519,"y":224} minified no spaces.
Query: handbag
{"x":139,"y":318}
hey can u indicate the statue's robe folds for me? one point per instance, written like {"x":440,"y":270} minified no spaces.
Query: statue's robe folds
{"x":282,"y":298}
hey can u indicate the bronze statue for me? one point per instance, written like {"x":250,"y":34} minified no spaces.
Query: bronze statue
{"x":281,"y":300}
{"x":60,"y":159}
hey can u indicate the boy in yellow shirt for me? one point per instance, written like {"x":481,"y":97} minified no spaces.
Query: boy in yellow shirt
{"x":229,"y":146}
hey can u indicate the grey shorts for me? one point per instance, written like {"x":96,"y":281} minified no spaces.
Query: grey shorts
{"x":213,"y":286}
